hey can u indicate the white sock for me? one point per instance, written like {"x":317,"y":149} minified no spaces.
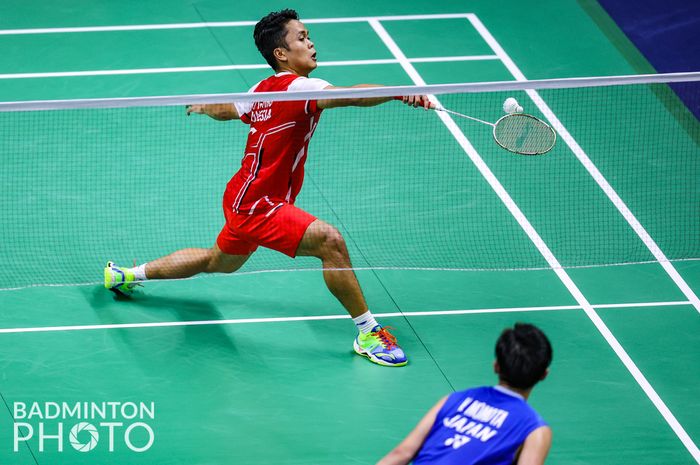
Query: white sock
{"x":140,"y":272}
{"x":365,"y":323}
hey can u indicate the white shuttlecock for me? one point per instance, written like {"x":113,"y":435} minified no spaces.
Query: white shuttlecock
{"x":511,"y":106}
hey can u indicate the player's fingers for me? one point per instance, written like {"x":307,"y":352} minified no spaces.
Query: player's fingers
{"x":196,"y":108}
{"x":411,"y":100}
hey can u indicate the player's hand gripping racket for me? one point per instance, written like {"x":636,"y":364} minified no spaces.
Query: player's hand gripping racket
{"x":516,"y":132}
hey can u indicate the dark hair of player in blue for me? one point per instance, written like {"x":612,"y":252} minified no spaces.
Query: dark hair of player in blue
{"x":269,"y":34}
{"x":523,"y":354}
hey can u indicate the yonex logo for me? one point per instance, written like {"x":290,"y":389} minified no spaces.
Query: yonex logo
{"x":457,"y":441}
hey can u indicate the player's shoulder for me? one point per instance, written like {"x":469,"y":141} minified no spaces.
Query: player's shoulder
{"x":517,"y":405}
{"x":264,"y":85}
{"x":281,"y":80}
{"x":494,"y":396}
{"x":457,"y":398}
{"x":273,"y":83}
{"x":306,"y":83}
{"x":475,"y":390}
{"x":288,"y":81}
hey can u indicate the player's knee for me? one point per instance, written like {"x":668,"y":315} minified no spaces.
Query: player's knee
{"x":219,"y":263}
{"x":334,"y":242}
{"x":226,"y":268}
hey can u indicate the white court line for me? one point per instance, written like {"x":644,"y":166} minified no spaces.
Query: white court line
{"x":124,"y":28}
{"x":117,"y":72}
{"x":456,"y":58}
{"x":644,"y":304}
{"x":200,"y":25}
{"x":592,"y":314}
{"x":168,"y":324}
{"x":588,"y":164}
{"x":198,"y":69}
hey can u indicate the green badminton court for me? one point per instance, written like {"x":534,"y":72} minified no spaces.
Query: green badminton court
{"x":257,"y":367}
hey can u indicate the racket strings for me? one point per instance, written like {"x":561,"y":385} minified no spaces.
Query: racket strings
{"x":524,"y":134}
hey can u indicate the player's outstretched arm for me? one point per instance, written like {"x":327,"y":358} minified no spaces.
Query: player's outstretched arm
{"x":218,"y":111}
{"x":536,"y":447}
{"x":409,"y":447}
{"x":413,"y":100}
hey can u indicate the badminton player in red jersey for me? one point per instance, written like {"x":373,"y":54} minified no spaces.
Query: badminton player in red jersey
{"x":259,"y":200}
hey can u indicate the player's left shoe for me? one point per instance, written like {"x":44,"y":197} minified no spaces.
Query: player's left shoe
{"x":120,"y":280}
{"x":380,"y":347}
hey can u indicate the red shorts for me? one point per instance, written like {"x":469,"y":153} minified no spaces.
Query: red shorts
{"x":280,"y":228}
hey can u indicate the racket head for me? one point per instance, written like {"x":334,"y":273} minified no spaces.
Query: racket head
{"x":524,"y":134}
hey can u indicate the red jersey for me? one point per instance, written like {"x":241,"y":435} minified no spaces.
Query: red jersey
{"x":272,"y":170}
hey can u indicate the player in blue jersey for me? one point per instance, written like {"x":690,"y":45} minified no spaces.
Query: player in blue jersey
{"x":488,"y":425}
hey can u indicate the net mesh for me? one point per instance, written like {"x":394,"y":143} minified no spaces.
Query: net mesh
{"x":84,"y":186}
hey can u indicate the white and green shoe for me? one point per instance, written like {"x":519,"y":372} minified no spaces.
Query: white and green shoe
{"x":119,"y":280}
{"x":380,"y":347}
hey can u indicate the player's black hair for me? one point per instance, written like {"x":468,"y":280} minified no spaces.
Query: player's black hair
{"x":269,"y":34}
{"x":523,"y":354}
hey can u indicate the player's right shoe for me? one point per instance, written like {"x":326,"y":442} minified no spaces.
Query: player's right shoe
{"x":380,"y":347}
{"x":119,"y":280}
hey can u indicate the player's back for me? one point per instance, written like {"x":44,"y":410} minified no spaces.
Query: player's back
{"x":479,"y":426}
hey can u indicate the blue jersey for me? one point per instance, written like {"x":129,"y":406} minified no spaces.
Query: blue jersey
{"x":480,"y":426}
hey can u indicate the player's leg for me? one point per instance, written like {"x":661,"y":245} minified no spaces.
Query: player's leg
{"x":325,"y":242}
{"x":226,"y":256}
{"x":181,"y":264}
{"x":292,"y":231}
{"x":189,"y":262}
